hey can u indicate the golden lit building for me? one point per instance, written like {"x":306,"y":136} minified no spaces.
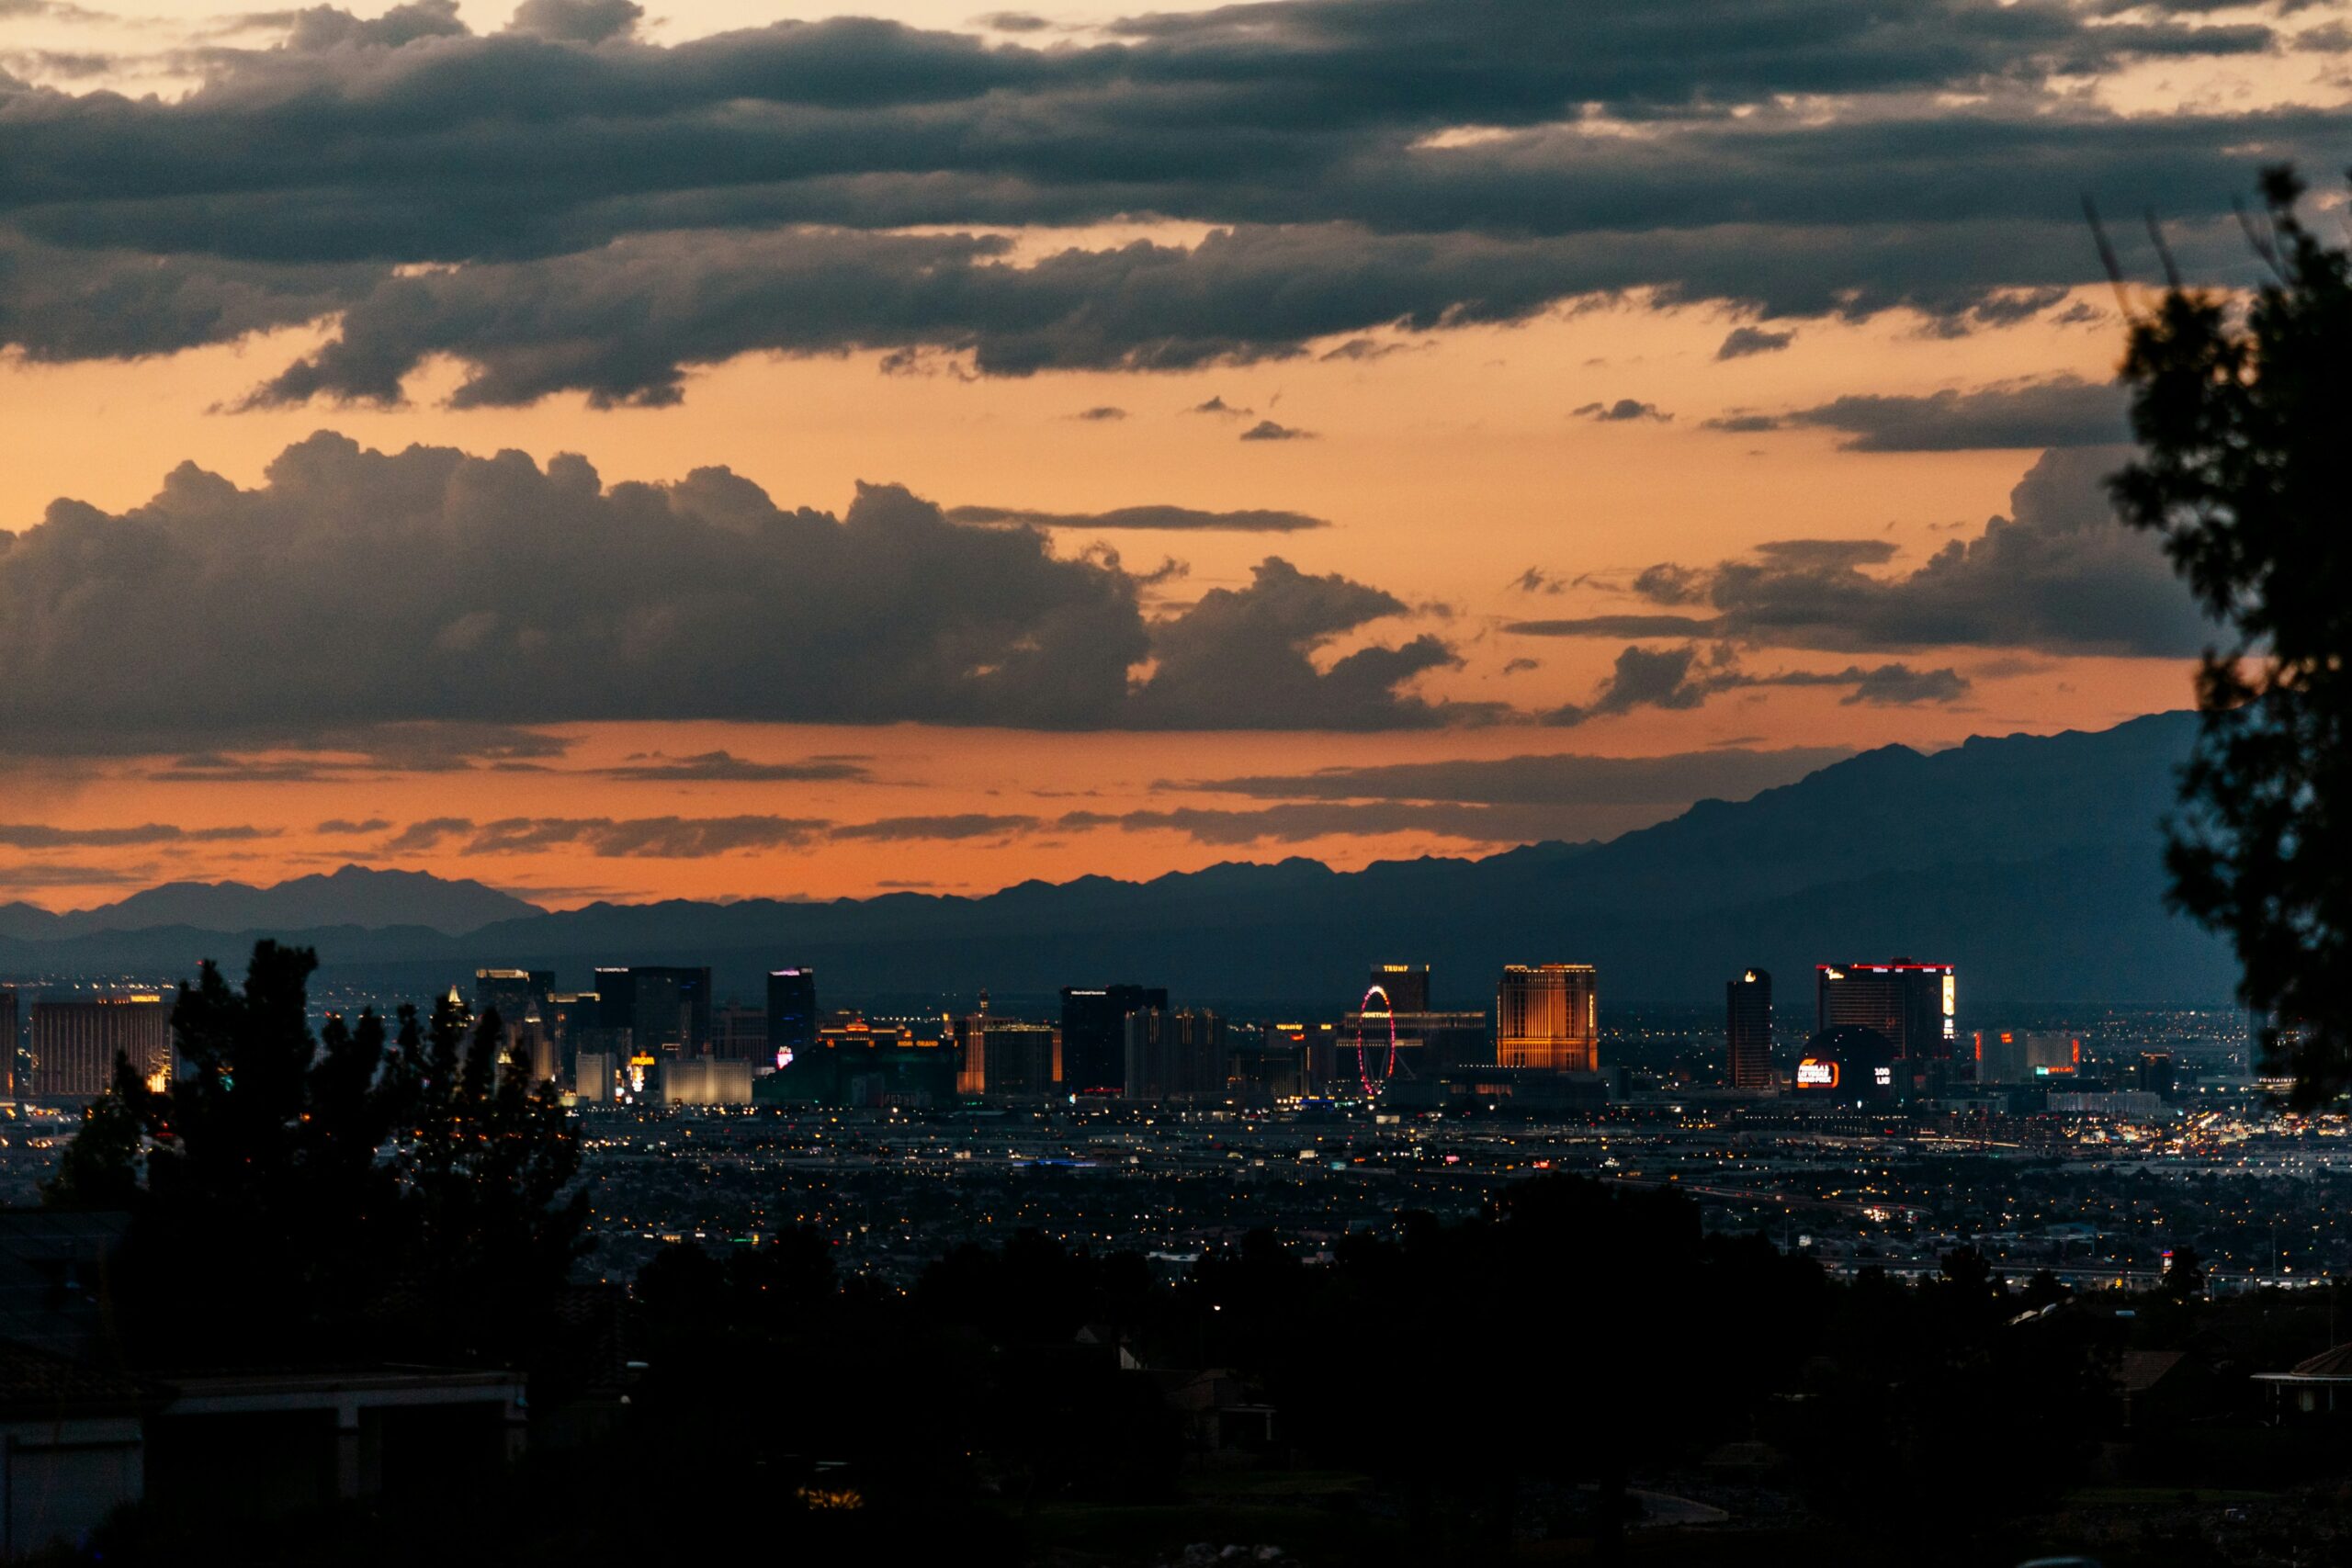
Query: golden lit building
{"x":9,"y":1041}
{"x":1006,"y":1059}
{"x":74,"y":1043}
{"x":1547,"y":1016}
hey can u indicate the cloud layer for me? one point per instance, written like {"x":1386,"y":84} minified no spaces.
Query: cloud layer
{"x":2059,"y":574}
{"x":430,"y":587}
{"x":602,"y":214}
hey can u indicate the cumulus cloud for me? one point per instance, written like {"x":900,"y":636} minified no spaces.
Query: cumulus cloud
{"x":1176,"y":518}
{"x":1268,"y":429}
{"x":2063,"y":411}
{"x":1685,"y":677}
{"x":1624,"y":411}
{"x":577,"y":21}
{"x":1224,"y":661}
{"x":1743,"y":342}
{"x":427,"y":586}
{"x":2059,"y":574}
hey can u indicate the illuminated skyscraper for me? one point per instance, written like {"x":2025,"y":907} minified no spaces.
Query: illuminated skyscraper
{"x":1747,"y":1030}
{"x":1407,"y":985}
{"x":1909,"y":1002}
{"x":75,"y":1044}
{"x":1547,"y":1016}
{"x":792,"y":1012}
{"x":1007,"y":1059}
{"x":9,"y":1041}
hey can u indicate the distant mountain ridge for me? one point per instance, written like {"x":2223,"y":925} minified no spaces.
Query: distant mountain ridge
{"x":2032,"y":861}
{"x":353,"y":895}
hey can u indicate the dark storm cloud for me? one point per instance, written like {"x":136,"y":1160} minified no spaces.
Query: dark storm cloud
{"x":1672,"y":779}
{"x":60,"y":304}
{"x":623,"y":323}
{"x":577,"y":21}
{"x":1743,"y":342}
{"x":622,"y":211}
{"x":1683,"y":678}
{"x":1179,"y":518}
{"x":1223,"y":661}
{"x":429,"y":587}
{"x":2062,"y":411}
{"x":37,"y":836}
{"x":2059,"y":574}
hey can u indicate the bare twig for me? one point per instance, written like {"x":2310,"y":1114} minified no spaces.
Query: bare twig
{"x":2164,"y":252}
{"x":2108,"y":257}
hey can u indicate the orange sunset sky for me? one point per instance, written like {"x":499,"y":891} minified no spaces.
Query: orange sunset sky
{"x":1675,"y":405}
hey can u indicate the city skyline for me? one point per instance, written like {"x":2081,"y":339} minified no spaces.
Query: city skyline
{"x":1680,"y":490}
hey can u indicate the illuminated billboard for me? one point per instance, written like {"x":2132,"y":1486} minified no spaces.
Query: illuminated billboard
{"x":1812,"y":1074}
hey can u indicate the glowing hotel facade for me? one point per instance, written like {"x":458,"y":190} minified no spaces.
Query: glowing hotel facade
{"x":1547,"y":1017}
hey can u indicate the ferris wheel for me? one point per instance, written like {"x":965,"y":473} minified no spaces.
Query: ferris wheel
{"x":1366,"y":1052}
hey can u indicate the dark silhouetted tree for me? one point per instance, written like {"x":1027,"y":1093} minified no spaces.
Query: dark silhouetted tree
{"x":295,"y":1194}
{"x":2245,"y":465}
{"x":2184,"y":1274}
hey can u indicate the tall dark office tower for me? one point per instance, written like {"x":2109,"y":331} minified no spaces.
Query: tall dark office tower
{"x":9,"y":1041}
{"x":515,"y":993}
{"x":663,"y":1008}
{"x":1175,"y":1055}
{"x":1909,"y":1002}
{"x":1095,"y":1034}
{"x":1407,"y":985}
{"x":1748,"y":1029}
{"x":792,"y":1012}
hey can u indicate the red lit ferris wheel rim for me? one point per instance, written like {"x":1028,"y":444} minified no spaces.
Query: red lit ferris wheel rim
{"x":1363,"y":1058}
